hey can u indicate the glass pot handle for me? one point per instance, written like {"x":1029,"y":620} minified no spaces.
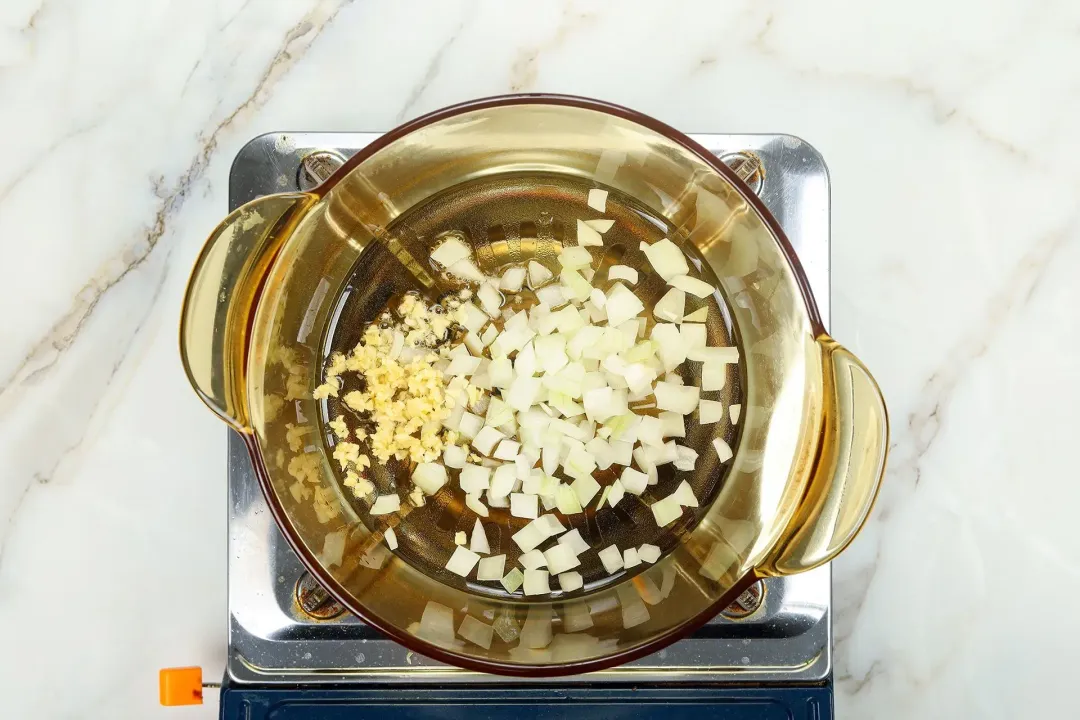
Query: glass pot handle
{"x":848,"y":469}
{"x":221,"y":297}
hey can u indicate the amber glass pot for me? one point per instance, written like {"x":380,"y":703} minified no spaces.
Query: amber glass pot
{"x":808,"y":459}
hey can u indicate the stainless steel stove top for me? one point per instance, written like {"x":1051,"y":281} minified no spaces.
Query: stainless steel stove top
{"x":283,"y":629}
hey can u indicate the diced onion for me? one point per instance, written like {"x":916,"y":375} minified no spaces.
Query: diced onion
{"x":474,"y":503}
{"x":385,"y":504}
{"x":477,"y":632}
{"x":694,"y":336}
{"x":474,"y":479}
{"x":478,"y":541}
{"x":467,"y":270}
{"x":686,"y":458}
{"x":633,"y":481}
{"x":682,"y":399}
{"x":575,"y":541}
{"x":585,"y":488}
{"x":512,"y":279}
{"x":450,"y":250}
{"x":648,"y":553}
{"x":722,"y":355}
{"x":490,"y":299}
{"x":736,"y":411}
{"x":622,"y":304}
{"x":611,"y":559}
{"x":575,"y":257}
{"x":616,"y":493}
{"x":507,"y":450}
{"x":713,"y":376}
{"x":523,"y":506}
{"x":536,"y":582}
{"x":430,"y":477}
{"x":698,"y":316}
{"x":529,"y":537}
{"x":723,"y":450}
{"x":560,"y":558}
{"x":462,"y":561}
{"x":504,"y":481}
{"x":501,"y":373}
{"x":669,"y":342}
{"x":623,"y":272}
{"x":512,"y":581}
{"x":666,"y":511}
{"x":670,"y":307}
{"x":550,"y":525}
{"x":460,"y":538}
{"x":566,"y":500}
{"x":551,"y":295}
{"x":391,"y":538}
{"x":532,"y":560}
{"x":538,"y":274}
{"x":587,"y":235}
{"x":463,"y":365}
{"x":523,"y":393}
{"x":598,"y":199}
{"x":491,"y":568}
{"x":709,"y":411}
{"x":684,"y":495}
{"x":698,"y":288}
{"x":570,"y":581}
{"x":630,"y":558}
{"x":666,"y":258}
{"x":601,"y":225}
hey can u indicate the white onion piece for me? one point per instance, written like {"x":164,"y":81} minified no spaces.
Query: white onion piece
{"x":709,"y":411}
{"x":474,"y":479}
{"x":512,"y":279}
{"x":486,"y":440}
{"x":585,"y":488}
{"x":504,"y":482}
{"x":450,"y":250}
{"x":560,"y":558}
{"x":550,"y":525}
{"x":474,"y":343}
{"x":570,"y":581}
{"x":598,"y":298}
{"x":723,"y":450}
{"x":551,"y":295}
{"x":501,"y":373}
{"x":580,"y":464}
{"x":648,"y":553}
{"x":568,"y":321}
{"x":630,"y":558}
{"x":693,"y":336}
{"x":470,"y":425}
{"x":538,"y":274}
{"x":736,"y":412}
{"x":669,"y":342}
{"x":698,"y":316}
{"x":604,"y":403}
{"x":698,"y":288}
{"x":474,"y":503}
{"x":507,"y":450}
{"x":490,"y":299}
{"x":536,"y":582}
{"x":650,"y":430}
{"x":491,"y":568}
{"x":598,"y":199}
{"x":529,"y":537}
{"x":460,"y":538}
{"x":623,"y":272}
{"x":575,"y":541}
{"x":575,"y":257}
{"x":532,"y":560}
{"x":670,"y":307}
{"x":462,"y":561}
{"x":622,"y":304}
{"x":523,"y":393}
{"x":550,"y":351}
{"x":391,"y":538}
{"x":430,"y":477}
{"x":672,"y":424}
{"x":512,"y":581}
{"x":601,"y":452}
{"x":478,"y":541}
{"x":676,"y":398}
{"x":385,"y":504}
{"x":575,"y":286}
{"x":477,"y":632}
{"x":611,"y":559}
{"x":566,"y":500}
{"x":523,"y":506}
{"x":467,"y":270}
{"x":463,"y":365}
{"x":684,"y":495}
{"x":666,"y":511}
{"x":601,"y":225}
{"x":719,"y":355}
{"x":588,"y":236}
{"x":639,"y":377}
{"x":616,"y":493}
{"x":666,"y":258}
{"x":713,"y":376}
{"x":498,"y":502}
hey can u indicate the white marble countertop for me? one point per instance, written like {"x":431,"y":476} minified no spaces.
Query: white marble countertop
{"x":949,"y":128}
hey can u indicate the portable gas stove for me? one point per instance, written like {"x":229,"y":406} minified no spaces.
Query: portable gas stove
{"x":295,"y":653}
